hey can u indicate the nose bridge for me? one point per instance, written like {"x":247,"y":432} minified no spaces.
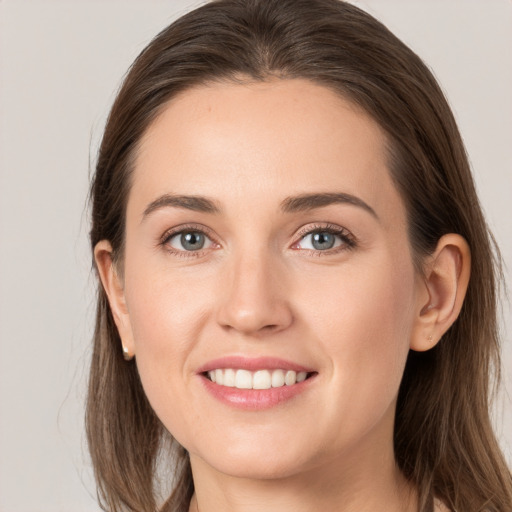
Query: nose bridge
{"x":254,"y":295}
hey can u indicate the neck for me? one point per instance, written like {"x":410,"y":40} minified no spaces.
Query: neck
{"x":362,"y":481}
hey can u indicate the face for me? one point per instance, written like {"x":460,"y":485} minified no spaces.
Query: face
{"x":266,"y":247}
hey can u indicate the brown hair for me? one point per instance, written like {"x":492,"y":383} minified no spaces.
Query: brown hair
{"x":443,"y":438}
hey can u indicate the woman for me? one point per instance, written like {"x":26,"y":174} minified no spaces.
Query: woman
{"x":297,"y":305}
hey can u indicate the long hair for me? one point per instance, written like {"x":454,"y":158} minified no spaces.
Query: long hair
{"x":443,"y":439}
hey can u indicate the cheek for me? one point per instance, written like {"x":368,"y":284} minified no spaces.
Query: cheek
{"x":166,"y":307}
{"x":364,"y":323}
{"x":168,"y":311}
{"x":367,"y":304}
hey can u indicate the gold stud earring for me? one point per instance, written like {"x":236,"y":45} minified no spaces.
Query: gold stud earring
{"x":126,"y":354}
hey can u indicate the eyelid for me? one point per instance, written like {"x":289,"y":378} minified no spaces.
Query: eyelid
{"x":320,"y":226}
{"x":349,"y":240}
{"x":176,"y":230}
{"x":187,"y":227}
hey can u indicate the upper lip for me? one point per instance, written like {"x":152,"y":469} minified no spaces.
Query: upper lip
{"x":252,"y":364}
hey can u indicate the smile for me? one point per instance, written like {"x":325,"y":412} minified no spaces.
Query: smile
{"x":261,"y":379}
{"x":255,"y":384}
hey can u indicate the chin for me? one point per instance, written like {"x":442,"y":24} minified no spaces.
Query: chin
{"x":260,"y":470}
{"x":257,"y":462}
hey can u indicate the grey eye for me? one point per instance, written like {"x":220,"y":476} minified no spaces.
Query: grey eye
{"x":189,"y":241}
{"x":321,"y":241}
{"x":192,"y":241}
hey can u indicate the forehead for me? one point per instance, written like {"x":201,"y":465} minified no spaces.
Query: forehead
{"x":259,"y":142}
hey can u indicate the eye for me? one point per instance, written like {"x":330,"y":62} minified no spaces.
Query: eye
{"x":319,"y":241}
{"x":323,"y":239}
{"x":188,"y":241}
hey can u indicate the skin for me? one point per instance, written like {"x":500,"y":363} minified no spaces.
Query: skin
{"x":259,"y":287}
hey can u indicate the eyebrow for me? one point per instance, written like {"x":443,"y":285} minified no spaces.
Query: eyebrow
{"x":305,"y":202}
{"x":300,"y":203}
{"x":195,"y":203}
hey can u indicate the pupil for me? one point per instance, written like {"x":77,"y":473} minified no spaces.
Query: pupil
{"x":323,"y":240}
{"x":192,"y":241}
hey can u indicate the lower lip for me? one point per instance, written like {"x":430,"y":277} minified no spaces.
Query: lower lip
{"x":256,"y":399}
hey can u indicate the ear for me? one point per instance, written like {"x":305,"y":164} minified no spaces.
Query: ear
{"x":114,"y":288}
{"x":442,"y":291}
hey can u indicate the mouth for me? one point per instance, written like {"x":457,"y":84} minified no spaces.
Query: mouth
{"x":255,"y":384}
{"x":260,"y":379}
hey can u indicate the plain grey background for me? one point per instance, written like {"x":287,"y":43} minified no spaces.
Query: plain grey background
{"x":61,"y":63}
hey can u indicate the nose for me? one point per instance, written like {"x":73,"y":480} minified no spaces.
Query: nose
{"x":254,"y":297}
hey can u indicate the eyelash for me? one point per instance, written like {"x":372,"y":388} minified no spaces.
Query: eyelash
{"x":348,"y":240}
{"x":187,"y":228}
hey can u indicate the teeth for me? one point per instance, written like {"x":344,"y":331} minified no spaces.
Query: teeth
{"x":301,"y":376}
{"x":277,"y":378}
{"x":243,"y":379}
{"x":229,"y":378}
{"x":262,"y":379}
{"x":290,"y":378}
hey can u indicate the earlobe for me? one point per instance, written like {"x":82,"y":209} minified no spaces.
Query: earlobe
{"x":114,"y":288}
{"x":443,"y":290}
